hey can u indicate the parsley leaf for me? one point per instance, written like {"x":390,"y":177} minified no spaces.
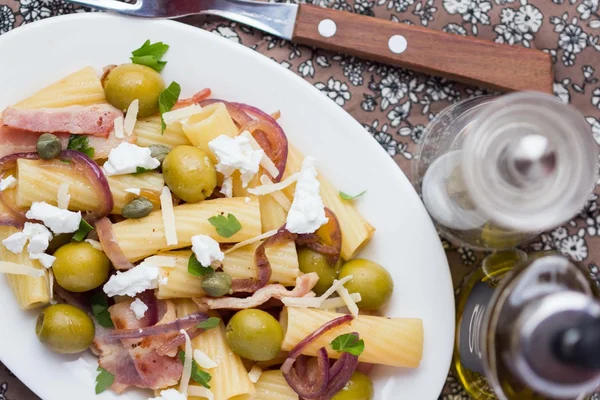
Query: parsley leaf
{"x":197,"y":269}
{"x":82,"y":232}
{"x":150,"y":54}
{"x":141,"y":170}
{"x":167,"y":99}
{"x":226,"y":226}
{"x":346,"y":196}
{"x":201,"y":377}
{"x":348,"y":343}
{"x":103,"y":380}
{"x":100,"y":310}
{"x":210,"y":323}
{"x":80,"y":143}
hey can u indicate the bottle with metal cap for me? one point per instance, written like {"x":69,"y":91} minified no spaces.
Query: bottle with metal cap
{"x":529,"y":332}
{"x":495,"y":171}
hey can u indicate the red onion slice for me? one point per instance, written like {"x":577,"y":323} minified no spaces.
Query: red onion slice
{"x":263,"y":265}
{"x":311,"y":389}
{"x":181,"y":323}
{"x":151,"y":315}
{"x":339,"y":375}
{"x":110,"y":246}
{"x":332,"y":229}
{"x":178,"y":340}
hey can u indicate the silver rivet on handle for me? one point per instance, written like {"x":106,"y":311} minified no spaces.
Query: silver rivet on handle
{"x":397,"y":44}
{"x":327,"y":28}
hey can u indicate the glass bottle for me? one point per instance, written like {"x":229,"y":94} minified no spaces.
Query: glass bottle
{"x":528,"y":329}
{"x":495,"y":171}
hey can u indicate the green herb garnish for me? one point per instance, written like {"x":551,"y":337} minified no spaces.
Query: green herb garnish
{"x":210,"y":323}
{"x":197,"y":269}
{"x":100,"y":310}
{"x":80,"y":143}
{"x":348,"y":343}
{"x":201,"y":377}
{"x":82,"y":232}
{"x":103,"y":380}
{"x":150,"y":55}
{"x":226,"y":226}
{"x":346,"y":196}
{"x":166,"y":101}
{"x":141,"y":170}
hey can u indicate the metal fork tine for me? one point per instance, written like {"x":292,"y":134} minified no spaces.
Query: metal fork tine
{"x":109,"y":5}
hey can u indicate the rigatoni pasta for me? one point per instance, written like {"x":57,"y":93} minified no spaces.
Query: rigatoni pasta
{"x":271,"y":386}
{"x":148,"y":132}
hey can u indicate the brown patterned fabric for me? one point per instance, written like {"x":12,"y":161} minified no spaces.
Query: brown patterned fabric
{"x":394,"y":105}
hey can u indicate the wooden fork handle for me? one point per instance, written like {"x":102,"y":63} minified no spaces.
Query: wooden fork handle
{"x":460,"y":58}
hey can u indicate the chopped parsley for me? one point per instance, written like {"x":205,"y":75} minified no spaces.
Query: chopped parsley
{"x":80,"y":143}
{"x":100,"y":310}
{"x":103,"y":380}
{"x":210,"y":323}
{"x":348,"y":343}
{"x":166,"y":101}
{"x":82,"y":232}
{"x":197,"y":269}
{"x":150,"y":55}
{"x":346,"y":196}
{"x":141,"y":170}
{"x":226,"y":226}
{"x":201,"y":377}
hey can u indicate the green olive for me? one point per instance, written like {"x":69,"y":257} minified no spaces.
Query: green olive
{"x":254,"y":334}
{"x":312,"y":261}
{"x":137,"y":208}
{"x":128,"y":82}
{"x":359,"y":387}
{"x":371,"y":280}
{"x":65,"y":329}
{"x":159,"y":151}
{"x":48,"y":146}
{"x":189,"y":173}
{"x":217,"y":284}
{"x":79,"y":267}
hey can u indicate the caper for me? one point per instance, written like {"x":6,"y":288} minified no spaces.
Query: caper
{"x":48,"y":146}
{"x":217,"y":284}
{"x":159,"y":151}
{"x":137,"y":208}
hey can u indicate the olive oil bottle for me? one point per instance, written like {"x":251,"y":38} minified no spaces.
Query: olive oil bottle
{"x":528,"y":329}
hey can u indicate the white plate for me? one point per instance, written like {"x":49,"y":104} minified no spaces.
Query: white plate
{"x":406,"y":243}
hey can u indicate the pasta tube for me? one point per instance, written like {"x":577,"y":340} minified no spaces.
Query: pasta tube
{"x":396,"y":342}
{"x":82,"y":88}
{"x":239,"y":264}
{"x":39,"y":181}
{"x":148,"y":132}
{"x":212,"y":121}
{"x":30,"y":291}
{"x":272,"y":214}
{"x":271,"y":386}
{"x":356,"y":231}
{"x":139,"y":238}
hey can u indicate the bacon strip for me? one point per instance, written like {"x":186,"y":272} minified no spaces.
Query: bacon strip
{"x":304,"y":285}
{"x":96,"y":119}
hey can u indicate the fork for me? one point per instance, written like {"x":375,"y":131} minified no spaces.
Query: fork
{"x":464,"y":59}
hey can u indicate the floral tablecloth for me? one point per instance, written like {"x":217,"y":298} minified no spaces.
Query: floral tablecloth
{"x":394,"y":105}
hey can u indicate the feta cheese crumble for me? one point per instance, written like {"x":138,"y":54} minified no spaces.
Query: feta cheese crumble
{"x":307,"y":212}
{"x":234,"y":154}
{"x":15,"y":242}
{"x":206,"y":250}
{"x":127,"y":157}
{"x":59,"y":221}
{"x":8,"y":183}
{"x":227,"y":187}
{"x":170,"y":394}
{"x":139,"y":308}
{"x":131,"y":282}
{"x":39,"y":238}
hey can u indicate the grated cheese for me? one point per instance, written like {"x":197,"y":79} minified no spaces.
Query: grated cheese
{"x":135,"y":191}
{"x":200,"y":391}
{"x":345,"y":296}
{"x":278,"y":196}
{"x":95,"y":244}
{"x":131,"y":117}
{"x":168,"y":216}
{"x":255,"y":374}
{"x":187,"y":364}
{"x":160,"y":262}
{"x":51,"y":286}
{"x":7,"y":267}
{"x":251,"y":240}
{"x":203,"y":360}
{"x":265,"y":161}
{"x":315,"y":302}
{"x":177,"y":115}
{"x":270,"y":187}
{"x":119,"y":129}
{"x":63,"y":196}
{"x":338,"y":302}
